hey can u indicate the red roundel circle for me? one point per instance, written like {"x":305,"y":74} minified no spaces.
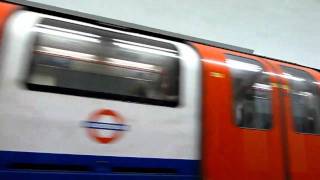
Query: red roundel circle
{"x":94,"y":133}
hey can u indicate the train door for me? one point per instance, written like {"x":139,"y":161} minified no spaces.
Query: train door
{"x":241,"y":121}
{"x":302,"y":118}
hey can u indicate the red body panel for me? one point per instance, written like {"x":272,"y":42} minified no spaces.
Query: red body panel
{"x":231,"y":152}
{"x":5,"y":11}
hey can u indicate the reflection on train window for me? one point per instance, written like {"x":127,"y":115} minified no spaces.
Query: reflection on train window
{"x":304,"y":93}
{"x":104,"y":63}
{"x":251,"y":93}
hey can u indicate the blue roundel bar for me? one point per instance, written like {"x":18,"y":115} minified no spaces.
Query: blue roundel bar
{"x":105,"y":126}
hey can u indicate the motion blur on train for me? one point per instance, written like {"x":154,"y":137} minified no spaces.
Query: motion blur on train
{"x":82,"y":100}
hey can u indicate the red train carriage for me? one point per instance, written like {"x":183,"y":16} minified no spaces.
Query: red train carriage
{"x":260,"y":117}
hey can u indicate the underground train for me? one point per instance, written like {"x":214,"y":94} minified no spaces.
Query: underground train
{"x":84,"y":100}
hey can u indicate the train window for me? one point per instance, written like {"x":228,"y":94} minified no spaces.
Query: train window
{"x":305,"y":102}
{"x":105,"y":63}
{"x":251,"y":93}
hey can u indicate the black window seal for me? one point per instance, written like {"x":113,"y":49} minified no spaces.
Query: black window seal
{"x":99,"y":95}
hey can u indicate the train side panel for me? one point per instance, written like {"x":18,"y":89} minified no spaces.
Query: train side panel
{"x":41,"y":126}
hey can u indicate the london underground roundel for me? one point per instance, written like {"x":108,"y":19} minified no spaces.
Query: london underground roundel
{"x":95,"y":126}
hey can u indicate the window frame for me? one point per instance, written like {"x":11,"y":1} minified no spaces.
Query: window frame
{"x":233,"y":98}
{"x":290,"y":102}
{"x":97,"y":94}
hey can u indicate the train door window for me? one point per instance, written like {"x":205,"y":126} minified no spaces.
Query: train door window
{"x":92,"y":61}
{"x":305,"y":101}
{"x":251,"y":93}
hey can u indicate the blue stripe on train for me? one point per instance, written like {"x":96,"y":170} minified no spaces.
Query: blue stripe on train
{"x":31,"y":165}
